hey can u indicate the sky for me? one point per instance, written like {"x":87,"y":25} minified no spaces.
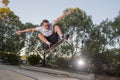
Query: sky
{"x":35,"y":11}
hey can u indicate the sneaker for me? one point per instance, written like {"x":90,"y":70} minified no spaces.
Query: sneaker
{"x":61,"y":37}
{"x":50,"y":45}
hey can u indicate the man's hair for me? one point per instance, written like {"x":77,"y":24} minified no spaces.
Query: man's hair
{"x":44,"y":21}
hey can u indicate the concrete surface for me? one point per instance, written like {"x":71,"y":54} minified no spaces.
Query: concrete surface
{"x":11,"y":75}
{"x":8,"y":72}
{"x":82,"y":76}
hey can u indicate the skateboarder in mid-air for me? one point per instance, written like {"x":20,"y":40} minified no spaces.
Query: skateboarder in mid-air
{"x":48,"y":32}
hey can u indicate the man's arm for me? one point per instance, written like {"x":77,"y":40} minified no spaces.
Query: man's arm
{"x":64,"y":15}
{"x":26,"y":30}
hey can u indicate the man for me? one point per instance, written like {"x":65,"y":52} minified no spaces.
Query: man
{"x":48,"y":32}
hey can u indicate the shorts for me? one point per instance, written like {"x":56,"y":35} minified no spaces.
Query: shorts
{"x":53,"y":38}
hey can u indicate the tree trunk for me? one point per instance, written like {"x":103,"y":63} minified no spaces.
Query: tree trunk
{"x":44,"y":60}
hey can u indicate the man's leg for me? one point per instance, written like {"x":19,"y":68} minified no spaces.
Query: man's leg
{"x":58,"y":31}
{"x":43,"y":39}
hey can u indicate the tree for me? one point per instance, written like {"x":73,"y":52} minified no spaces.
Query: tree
{"x":78,"y":25}
{"x":98,"y":47}
{"x":9,"y":41}
{"x":116,"y":28}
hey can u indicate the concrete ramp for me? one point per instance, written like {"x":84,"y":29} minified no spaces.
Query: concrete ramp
{"x":12,"y":75}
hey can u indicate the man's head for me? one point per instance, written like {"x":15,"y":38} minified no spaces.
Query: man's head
{"x":45,"y":23}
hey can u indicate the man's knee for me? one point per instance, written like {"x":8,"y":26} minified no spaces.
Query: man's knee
{"x":40,"y":35}
{"x":56,"y":27}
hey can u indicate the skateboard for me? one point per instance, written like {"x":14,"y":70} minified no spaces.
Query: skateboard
{"x":58,"y":43}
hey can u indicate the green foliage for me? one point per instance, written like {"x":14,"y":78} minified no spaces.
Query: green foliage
{"x":94,"y":40}
{"x":78,"y":25}
{"x":59,"y":62}
{"x":11,"y":58}
{"x":78,"y":20}
{"x":112,"y":62}
{"x":9,"y":41}
{"x":62,"y":62}
{"x":33,"y":59}
{"x":99,"y":47}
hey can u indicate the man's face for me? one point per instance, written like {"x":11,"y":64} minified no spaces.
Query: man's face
{"x":46,"y":25}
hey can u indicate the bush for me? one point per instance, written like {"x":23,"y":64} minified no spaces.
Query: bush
{"x":33,"y":59}
{"x":11,"y":59}
{"x":60,"y":62}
